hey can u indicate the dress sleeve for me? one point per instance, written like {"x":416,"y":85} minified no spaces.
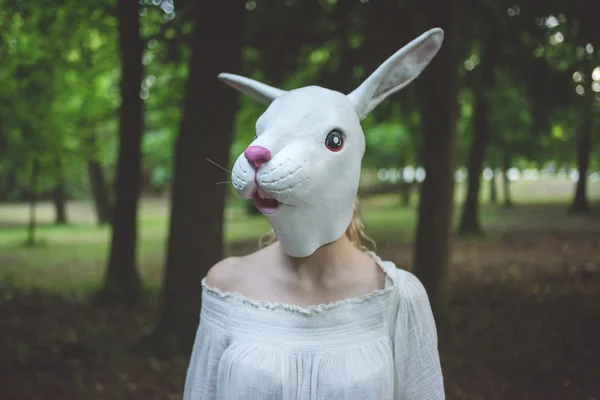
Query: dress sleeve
{"x":209,"y":345}
{"x":417,"y":363}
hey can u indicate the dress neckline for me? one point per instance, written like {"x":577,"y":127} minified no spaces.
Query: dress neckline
{"x":390,"y":284}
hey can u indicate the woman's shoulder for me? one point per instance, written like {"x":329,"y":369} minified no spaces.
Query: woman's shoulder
{"x":409,"y":286}
{"x":412,"y":295}
{"x":224,"y":274}
{"x":232,"y":273}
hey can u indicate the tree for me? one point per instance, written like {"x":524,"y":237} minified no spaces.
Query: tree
{"x":33,"y":193}
{"x":438,"y":103}
{"x":196,"y":228}
{"x":493,"y":185}
{"x":92,"y":82}
{"x":98,"y":185}
{"x":575,"y":24}
{"x":481,"y":128}
{"x":580,"y":202}
{"x":122,"y":282}
{"x":51,"y":95}
{"x":59,"y":193}
{"x":511,"y":118}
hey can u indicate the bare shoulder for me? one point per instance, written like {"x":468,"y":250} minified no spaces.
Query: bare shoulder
{"x":224,"y":274}
{"x":232,"y":274}
{"x":240,"y":274}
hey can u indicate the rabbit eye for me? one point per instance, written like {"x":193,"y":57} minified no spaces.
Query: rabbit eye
{"x":334,"y":140}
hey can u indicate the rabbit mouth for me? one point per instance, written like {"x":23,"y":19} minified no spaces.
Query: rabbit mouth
{"x":265,"y":203}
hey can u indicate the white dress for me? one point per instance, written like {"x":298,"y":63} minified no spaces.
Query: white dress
{"x":381,"y":346}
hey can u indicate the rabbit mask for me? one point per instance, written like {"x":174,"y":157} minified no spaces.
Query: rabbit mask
{"x":303,"y":169}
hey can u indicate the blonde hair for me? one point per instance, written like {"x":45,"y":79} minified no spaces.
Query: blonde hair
{"x":355,"y":232}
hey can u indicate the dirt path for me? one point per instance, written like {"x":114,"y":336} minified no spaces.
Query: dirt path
{"x":525,"y":309}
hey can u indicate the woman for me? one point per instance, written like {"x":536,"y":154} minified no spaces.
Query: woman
{"x":312,"y":315}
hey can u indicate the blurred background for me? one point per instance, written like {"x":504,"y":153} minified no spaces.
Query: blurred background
{"x":482,"y":177}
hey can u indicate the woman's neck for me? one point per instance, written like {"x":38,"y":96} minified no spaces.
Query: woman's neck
{"x":325,"y":263}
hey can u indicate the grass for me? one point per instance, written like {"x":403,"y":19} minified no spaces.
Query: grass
{"x":72,"y":257}
{"x":523,"y":301}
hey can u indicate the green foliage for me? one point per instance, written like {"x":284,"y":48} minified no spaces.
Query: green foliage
{"x":511,"y":121}
{"x":61,"y":81}
{"x":56,"y":88}
{"x":158,"y":157}
{"x":389,"y":145}
{"x":166,"y":67}
{"x":465,"y":124}
{"x":64,"y":102}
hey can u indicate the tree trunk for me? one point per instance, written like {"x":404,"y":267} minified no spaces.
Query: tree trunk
{"x":196,"y":231}
{"x":493,"y":188}
{"x":59,"y":195}
{"x":580,"y":202}
{"x":99,"y":190}
{"x":405,"y":194}
{"x":437,"y":92}
{"x":122,"y":281}
{"x":33,"y":194}
{"x":469,"y":223}
{"x":98,"y":185}
{"x":508,"y":203}
{"x":482,"y":132}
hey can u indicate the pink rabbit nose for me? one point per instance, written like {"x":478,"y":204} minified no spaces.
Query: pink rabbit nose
{"x":257,"y":156}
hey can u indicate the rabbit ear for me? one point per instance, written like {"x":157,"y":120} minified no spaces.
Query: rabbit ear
{"x":259,"y":91}
{"x":397,"y":71}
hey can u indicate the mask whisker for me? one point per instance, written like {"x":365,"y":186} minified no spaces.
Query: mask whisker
{"x":224,"y":169}
{"x":286,"y":200}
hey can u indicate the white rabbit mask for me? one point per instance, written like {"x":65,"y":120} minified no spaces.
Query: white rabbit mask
{"x":303,"y":169}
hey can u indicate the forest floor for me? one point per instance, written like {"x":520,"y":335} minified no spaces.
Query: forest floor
{"x":523,"y":306}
